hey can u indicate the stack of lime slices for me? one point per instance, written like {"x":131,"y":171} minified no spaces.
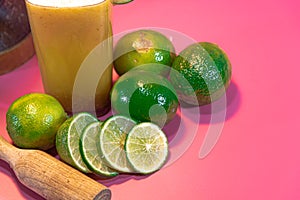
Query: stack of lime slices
{"x":117,"y":145}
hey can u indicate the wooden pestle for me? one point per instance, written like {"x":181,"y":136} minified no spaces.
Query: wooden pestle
{"x":49,"y":177}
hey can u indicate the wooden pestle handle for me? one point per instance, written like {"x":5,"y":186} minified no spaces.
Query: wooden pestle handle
{"x":49,"y":177}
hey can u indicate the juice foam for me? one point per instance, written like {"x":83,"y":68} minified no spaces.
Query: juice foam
{"x":65,"y":3}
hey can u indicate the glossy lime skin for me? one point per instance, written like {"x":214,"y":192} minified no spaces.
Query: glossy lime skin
{"x":144,"y":96}
{"x":33,"y":120}
{"x":201,"y":73}
{"x":120,"y":2}
{"x":145,"y":48}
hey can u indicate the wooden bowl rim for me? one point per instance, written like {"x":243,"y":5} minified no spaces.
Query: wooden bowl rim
{"x":16,"y":55}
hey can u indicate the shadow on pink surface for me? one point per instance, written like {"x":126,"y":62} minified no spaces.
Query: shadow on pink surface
{"x":122,"y":178}
{"x":232,"y":104}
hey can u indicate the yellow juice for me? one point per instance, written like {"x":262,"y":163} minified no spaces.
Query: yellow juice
{"x":64,"y":35}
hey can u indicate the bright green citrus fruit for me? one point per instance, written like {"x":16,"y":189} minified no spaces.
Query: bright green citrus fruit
{"x":111,"y":142}
{"x":89,"y":151}
{"x":33,"y":120}
{"x":145,"y":48}
{"x":67,"y":139}
{"x":118,"y":2}
{"x":146,"y":148}
{"x":201,"y":74}
{"x":144,"y":96}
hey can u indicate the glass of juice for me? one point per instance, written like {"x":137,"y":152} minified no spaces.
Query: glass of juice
{"x":64,"y":33}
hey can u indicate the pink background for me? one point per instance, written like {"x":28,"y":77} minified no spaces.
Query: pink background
{"x":258,"y":153}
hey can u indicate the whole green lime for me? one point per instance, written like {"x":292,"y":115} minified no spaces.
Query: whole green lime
{"x":33,"y":120}
{"x":144,"y":96}
{"x":146,"y":48}
{"x":201,"y":73}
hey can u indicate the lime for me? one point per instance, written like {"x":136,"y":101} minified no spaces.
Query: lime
{"x":146,"y":48}
{"x":112,"y":139}
{"x":117,"y":2}
{"x":67,"y":139}
{"x":146,"y":148}
{"x":89,"y":151}
{"x":201,"y":74}
{"x":144,"y":96}
{"x":33,"y":120}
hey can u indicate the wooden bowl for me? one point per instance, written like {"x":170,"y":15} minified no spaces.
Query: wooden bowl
{"x":16,"y":45}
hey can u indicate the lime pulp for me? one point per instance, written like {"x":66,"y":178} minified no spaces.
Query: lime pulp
{"x":89,"y":151}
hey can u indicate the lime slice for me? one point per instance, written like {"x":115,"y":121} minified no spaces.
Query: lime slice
{"x":146,"y":148}
{"x":90,"y":153}
{"x":67,"y":140}
{"x":116,"y":2}
{"x":112,"y":139}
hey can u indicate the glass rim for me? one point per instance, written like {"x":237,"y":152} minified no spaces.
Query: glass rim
{"x":54,"y":5}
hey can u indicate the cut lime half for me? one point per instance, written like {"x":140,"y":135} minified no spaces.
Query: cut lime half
{"x":67,"y":140}
{"x":89,"y":151}
{"x":146,"y":148}
{"x":111,"y":142}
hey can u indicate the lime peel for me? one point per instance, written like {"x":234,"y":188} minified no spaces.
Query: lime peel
{"x":33,"y":119}
{"x":118,"y":2}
